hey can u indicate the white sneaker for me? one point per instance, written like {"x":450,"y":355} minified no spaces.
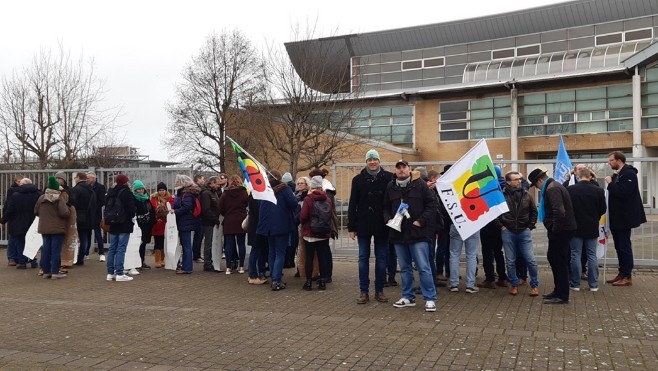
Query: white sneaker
{"x":86,"y":257}
{"x":574,"y":288}
{"x":133,"y":272}
{"x":593,"y":289}
{"x":228,"y":271}
{"x":404,"y":302}
{"x":123,"y":278}
{"x":430,"y":306}
{"x":241,"y":270}
{"x":111,"y":277}
{"x":102,"y":258}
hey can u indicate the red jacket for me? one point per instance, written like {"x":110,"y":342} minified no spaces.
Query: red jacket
{"x":160,"y":215}
{"x":307,"y":209}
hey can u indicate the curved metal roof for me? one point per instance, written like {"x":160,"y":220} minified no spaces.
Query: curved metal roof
{"x":527,"y":21}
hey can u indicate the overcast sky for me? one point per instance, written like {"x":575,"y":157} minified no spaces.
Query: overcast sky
{"x":141,"y":47}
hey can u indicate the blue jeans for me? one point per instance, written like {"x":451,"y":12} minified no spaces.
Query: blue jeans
{"x":277,"y":254}
{"x":230,"y":241}
{"x":51,"y":253}
{"x":186,"y":245}
{"x":98,"y":235}
{"x":471,"y":250}
{"x":577,"y":244}
{"x":257,"y":258}
{"x":11,"y":248}
{"x":381,"y":260}
{"x":624,"y":248}
{"x":520,"y":244}
{"x":19,"y":243}
{"x":419,"y":251}
{"x":84,"y":235}
{"x":117,"y":253}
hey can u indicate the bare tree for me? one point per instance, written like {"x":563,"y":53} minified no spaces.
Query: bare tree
{"x":226,"y":75}
{"x":52,"y":109}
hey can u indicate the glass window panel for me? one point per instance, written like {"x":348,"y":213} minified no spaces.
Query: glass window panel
{"x":561,"y":96}
{"x":453,"y":116}
{"x":469,"y":73}
{"x":532,"y":110}
{"x":533,"y":99}
{"x":621,"y":125}
{"x":650,"y":123}
{"x":560,"y":129}
{"x":503,"y":112}
{"x":402,"y":111}
{"x":502,"y":53}
{"x":360,"y":124}
{"x":527,"y":50}
{"x":583,"y":59}
{"x":484,"y":133}
{"x":542,"y":65}
{"x":453,"y":106}
{"x":481,"y":114}
{"x":626,"y":51}
{"x":517,"y":67}
{"x":502,"y":133}
{"x":593,"y":93}
{"x":569,"y":117}
{"x":591,"y":105}
{"x":502,"y":102}
{"x":598,"y":115}
{"x":569,"y":62}
{"x":434,"y":62}
{"x":402,"y":139}
{"x":584,"y":116}
{"x":591,"y":127}
{"x":624,"y":102}
{"x":503,"y":122}
{"x":620,"y":114}
{"x":381,"y":122}
{"x":527,"y":131}
{"x":638,"y":35}
{"x":364,"y":131}
{"x":620,"y":91}
{"x":651,"y":111}
{"x":384,"y":138}
{"x":453,"y":135}
{"x":482,"y":103}
{"x":402,"y":120}
{"x":481,"y":72}
{"x":652,"y":74}
{"x":481,"y":124}
{"x":531,"y":120}
{"x":561,"y":107}
{"x":402,"y":129}
{"x":650,"y":100}
{"x":379,"y":112}
{"x":412,"y":65}
{"x":612,"y":55}
{"x":380,"y":130}
{"x":556,"y":63}
{"x":505,"y":66}
{"x":598,"y":57}
{"x":453,"y":126}
{"x":609,"y":39}
{"x":530,"y":67}
{"x":651,"y":87}
{"x":553,"y":119}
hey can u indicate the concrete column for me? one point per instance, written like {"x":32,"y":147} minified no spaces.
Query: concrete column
{"x":514,"y":129}
{"x":638,"y":148}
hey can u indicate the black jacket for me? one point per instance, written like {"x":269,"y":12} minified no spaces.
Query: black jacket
{"x":558,"y":210}
{"x":83,"y":198}
{"x":365,"y":211}
{"x":422,"y":208}
{"x":128,"y":202}
{"x":588,"y":201}
{"x":99,"y":190}
{"x":624,"y":200}
{"x":209,"y":206}
{"x":19,"y":213}
{"x":522,"y":212}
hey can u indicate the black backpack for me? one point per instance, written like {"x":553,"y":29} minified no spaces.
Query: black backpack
{"x":321,"y":218}
{"x":114,"y":212}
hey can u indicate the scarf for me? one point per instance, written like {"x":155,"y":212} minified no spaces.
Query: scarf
{"x":373,"y":173}
{"x":141,"y":197}
{"x":161,"y":210}
{"x":540,"y":211}
{"x":404,"y":182}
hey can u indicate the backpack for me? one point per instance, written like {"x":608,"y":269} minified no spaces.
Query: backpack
{"x":114,"y":211}
{"x":197,"y":207}
{"x":321,"y":218}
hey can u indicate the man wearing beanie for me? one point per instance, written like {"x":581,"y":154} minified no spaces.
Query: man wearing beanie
{"x":83,"y":198}
{"x":416,"y":230}
{"x":120,"y":232}
{"x":366,"y":223}
{"x":53,"y":213}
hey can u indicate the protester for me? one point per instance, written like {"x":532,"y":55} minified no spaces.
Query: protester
{"x":331,"y":193}
{"x":258,"y":243}
{"x":12,"y":255}
{"x":187,"y":194}
{"x":316,"y":218}
{"x":412,"y":241}
{"x":492,"y":247}
{"x":18,"y":215}
{"x":293,"y":240}
{"x":124,"y":205}
{"x":443,"y":242}
{"x":233,"y":206}
{"x":470,"y":246}
{"x":53,"y":213}
{"x":83,"y":198}
{"x":303,"y":186}
{"x":626,"y":212}
{"x":159,"y":202}
{"x":210,"y":217}
{"x":198,"y":235}
{"x":99,"y":190}
{"x":145,"y":215}
{"x":366,"y":224}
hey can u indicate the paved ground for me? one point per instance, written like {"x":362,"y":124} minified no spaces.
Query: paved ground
{"x":162,"y":321}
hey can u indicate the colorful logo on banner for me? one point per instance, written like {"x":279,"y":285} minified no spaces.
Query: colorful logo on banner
{"x":255,"y":177}
{"x":478,"y":189}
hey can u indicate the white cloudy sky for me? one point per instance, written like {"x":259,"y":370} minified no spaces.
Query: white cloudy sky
{"x":140,"y":47}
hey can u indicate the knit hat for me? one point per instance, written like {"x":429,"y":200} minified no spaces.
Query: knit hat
{"x":161,"y":185}
{"x":121,"y":179}
{"x":287,"y":177}
{"x":61,"y":175}
{"x":372,"y":154}
{"x":53,"y":183}
{"x":316,"y":182}
{"x":137,"y":184}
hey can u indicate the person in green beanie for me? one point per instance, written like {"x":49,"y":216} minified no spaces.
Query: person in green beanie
{"x":145,"y":217}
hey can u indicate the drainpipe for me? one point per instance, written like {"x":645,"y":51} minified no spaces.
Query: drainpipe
{"x":514,"y":129}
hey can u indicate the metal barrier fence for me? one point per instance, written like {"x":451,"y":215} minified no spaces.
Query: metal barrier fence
{"x":149,"y":176}
{"x":645,"y":238}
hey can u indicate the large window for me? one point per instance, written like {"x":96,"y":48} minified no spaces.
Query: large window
{"x":475,"y":119}
{"x":650,"y":100}
{"x":389,"y":124}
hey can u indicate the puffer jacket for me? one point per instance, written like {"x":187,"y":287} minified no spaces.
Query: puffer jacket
{"x":522,"y":212}
{"x":276,"y":220}
{"x":365,"y":212}
{"x":422,"y":208}
{"x":19,"y":213}
{"x":558,"y":210}
{"x":53,"y":212}
{"x":233,"y":205}
{"x":128,"y":203}
{"x":184,"y":204}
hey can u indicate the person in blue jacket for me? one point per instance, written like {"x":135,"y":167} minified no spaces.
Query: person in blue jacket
{"x":186,"y":195}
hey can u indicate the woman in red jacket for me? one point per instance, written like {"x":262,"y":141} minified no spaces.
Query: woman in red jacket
{"x":159,"y":202}
{"x":315,"y":217}
{"x":233,"y":206}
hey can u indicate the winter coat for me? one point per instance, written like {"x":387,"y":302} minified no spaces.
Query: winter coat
{"x":53,"y":212}
{"x":209,"y":206}
{"x":365,"y":211}
{"x":522,"y":212}
{"x":12,"y":188}
{"x":233,"y":205}
{"x":99,"y":190}
{"x":588,"y":201}
{"x":624,"y":200}
{"x":307,"y":210}
{"x":422,"y":208}
{"x":128,"y":202}
{"x":19,"y":213}
{"x":184,"y":204}
{"x":254,"y":211}
{"x":161,"y":212}
{"x":144,"y":208}
{"x":558,"y":211}
{"x":276,"y":220}
{"x":83,"y":198}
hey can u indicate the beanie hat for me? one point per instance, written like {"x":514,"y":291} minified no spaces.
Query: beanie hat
{"x":372,"y":154}
{"x":121,"y":179}
{"x":53,"y":183}
{"x":137,"y":184}
{"x":287,"y":177}
{"x":316,"y":182}
{"x":61,"y":175}
{"x":161,"y":185}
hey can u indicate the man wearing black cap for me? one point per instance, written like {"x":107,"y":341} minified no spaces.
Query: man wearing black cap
{"x":556,"y":211}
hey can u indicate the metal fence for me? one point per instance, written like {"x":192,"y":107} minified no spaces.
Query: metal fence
{"x":149,"y":176}
{"x":645,"y":238}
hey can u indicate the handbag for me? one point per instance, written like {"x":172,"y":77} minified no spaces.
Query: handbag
{"x":245,"y":223}
{"x":104,"y":226}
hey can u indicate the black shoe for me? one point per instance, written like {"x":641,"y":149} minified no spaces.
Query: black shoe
{"x":79,"y":263}
{"x":417,"y":291}
{"x":278,"y":286}
{"x":549,"y":296}
{"x":328,"y":280}
{"x":34,"y":264}
{"x":392,"y":282}
{"x":145,"y":267}
{"x":308,"y":286}
{"x":322,"y":284}
{"x":438,"y":283}
{"x":21,"y":266}
{"x":208,"y":269}
{"x":555,"y":300}
{"x":297,"y":275}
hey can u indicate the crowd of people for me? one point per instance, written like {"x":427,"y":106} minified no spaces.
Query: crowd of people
{"x":399,"y":213}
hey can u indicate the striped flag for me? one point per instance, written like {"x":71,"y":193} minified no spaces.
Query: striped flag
{"x":255,"y":175}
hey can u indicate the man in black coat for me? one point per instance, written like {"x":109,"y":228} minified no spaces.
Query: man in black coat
{"x":588,"y":200}
{"x":12,"y":257}
{"x":83,"y":198}
{"x":366,"y":223}
{"x":209,"y":199}
{"x":100,"y":190}
{"x":626,"y":212}
{"x":19,"y":214}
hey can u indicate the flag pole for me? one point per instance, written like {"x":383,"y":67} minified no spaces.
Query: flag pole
{"x":247,"y":153}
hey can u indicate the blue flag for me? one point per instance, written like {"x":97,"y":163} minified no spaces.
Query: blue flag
{"x":563,"y":164}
